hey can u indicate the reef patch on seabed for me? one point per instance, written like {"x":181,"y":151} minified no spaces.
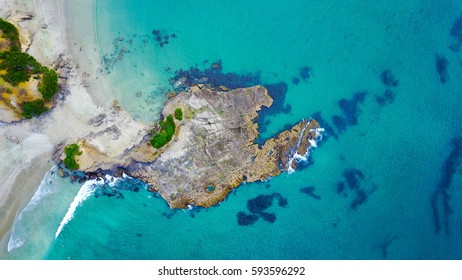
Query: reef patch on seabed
{"x":310,"y":191}
{"x":456,"y":34}
{"x":441,"y":196}
{"x":163,"y":37}
{"x":122,"y":46}
{"x":441,"y":65}
{"x":384,"y":245}
{"x":387,"y":98}
{"x":353,"y":184}
{"x":351,"y":108}
{"x":389,"y":80}
{"x":125,"y":44}
{"x":214,"y":76}
{"x":351,"y":111}
{"x":257,"y":207}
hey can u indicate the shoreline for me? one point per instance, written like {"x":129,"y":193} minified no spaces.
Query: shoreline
{"x":28,"y":145}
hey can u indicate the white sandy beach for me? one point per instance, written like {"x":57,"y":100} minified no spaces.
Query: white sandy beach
{"x":58,"y":29}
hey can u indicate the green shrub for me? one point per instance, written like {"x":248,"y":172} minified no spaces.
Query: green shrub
{"x":48,"y":87}
{"x":19,"y":66}
{"x":71,"y":152}
{"x":32,"y":109}
{"x":10,"y":32}
{"x":165,"y":135}
{"x":169,"y":127}
{"x":159,"y":140}
{"x":178,"y":114}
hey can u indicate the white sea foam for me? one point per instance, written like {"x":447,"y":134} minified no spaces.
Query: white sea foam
{"x":44,"y":190}
{"x":17,"y":238}
{"x":85,"y":191}
{"x":313,"y":144}
{"x":289,"y":163}
{"x":112,"y":181}
{"x":290,"y":170}
{"x":14,"y":243}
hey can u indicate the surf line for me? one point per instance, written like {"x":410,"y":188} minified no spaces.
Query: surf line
{"x":85,"y":192}
{"x":313,"y":144}
{"x":17,"y":237}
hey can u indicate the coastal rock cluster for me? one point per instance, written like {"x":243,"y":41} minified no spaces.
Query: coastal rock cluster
{"x":213,"y":149}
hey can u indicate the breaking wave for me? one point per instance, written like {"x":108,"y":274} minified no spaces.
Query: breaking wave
{"x":85,"y":192}
{"x":45,"y":189}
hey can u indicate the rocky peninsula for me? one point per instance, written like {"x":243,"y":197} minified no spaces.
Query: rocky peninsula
{"x":212,"y":150}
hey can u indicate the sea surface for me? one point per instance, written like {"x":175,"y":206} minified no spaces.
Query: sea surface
{"x":382,"y":77}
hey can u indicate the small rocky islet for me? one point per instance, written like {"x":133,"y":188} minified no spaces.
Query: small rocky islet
{"x":210,"y":151}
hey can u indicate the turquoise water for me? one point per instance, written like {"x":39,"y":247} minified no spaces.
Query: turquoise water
{"x":386,"y":179}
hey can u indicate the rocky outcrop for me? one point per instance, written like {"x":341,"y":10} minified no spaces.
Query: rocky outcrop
{"x":213,"y":149}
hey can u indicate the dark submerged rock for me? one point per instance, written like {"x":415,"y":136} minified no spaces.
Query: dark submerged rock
{"x":350,"y":107}
{"x":387,"y":98}
{"x":340,"y":123}
{"x":353,"y":179}
{"x":260,"y":203}
{"x":441,"y":64}
{"x":246,"y":220}
{"x":269,"y":217}
{"x":456,"y":34}
{"x":257,"y":207}
{"x":441,"y":196}
{"x":309,"y":190}
{"x":305,"y":73}
{"x":388,"y":78}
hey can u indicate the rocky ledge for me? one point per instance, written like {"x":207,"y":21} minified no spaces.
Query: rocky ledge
{"x":213,"y":149}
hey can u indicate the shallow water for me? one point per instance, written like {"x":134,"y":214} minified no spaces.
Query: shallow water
{"x":384,"y":182}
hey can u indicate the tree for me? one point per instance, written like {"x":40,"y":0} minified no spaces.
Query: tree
{"x":10,"y":32}
{"x":165,"y":135}
{"x":48,"y":87}
{"x":33,"y":108}
{"x":178,"y":114}
{"x":71,"y":152}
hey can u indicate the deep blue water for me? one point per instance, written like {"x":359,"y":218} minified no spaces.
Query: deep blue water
{"x":382,"y":77}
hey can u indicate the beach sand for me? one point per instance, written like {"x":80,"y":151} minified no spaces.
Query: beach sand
{"x":58,"y":29}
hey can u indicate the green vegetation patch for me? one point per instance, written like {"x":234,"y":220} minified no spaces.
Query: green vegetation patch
{"x":179,"y":114}
{"x":19,"y":66}
{"x":71,"y":152}
{"x":167,"y":130}
{"x":33,"y":108}
{"x":10,"y":32}
{"x":48,"y":87}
